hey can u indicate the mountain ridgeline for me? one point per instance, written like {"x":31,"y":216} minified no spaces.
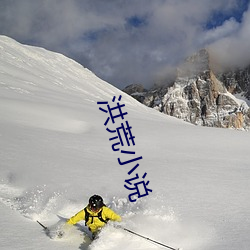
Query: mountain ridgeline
{"x":202,"y":95}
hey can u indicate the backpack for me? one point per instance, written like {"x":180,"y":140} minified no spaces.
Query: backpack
{"x":99,"y":216}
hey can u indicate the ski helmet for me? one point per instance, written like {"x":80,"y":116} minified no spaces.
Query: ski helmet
{"x":95,"y":202}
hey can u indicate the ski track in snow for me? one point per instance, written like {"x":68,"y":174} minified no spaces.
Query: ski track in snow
{"x":148,"y":220}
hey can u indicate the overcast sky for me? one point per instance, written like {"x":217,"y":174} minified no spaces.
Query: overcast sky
{"x":131,"y":41}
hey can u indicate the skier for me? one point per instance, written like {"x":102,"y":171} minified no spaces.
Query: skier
{"x":95,"y":214}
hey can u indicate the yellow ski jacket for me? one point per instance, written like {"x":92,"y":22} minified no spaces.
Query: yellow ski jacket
{"x":94,"y":223}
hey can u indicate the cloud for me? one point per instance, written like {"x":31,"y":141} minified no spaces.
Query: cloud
{"x":233,"y":49}
{"x":228,"y":28}
{"x":125,"y":42}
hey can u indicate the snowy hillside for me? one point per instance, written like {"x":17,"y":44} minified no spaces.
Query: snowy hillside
{"x":55,"y":153}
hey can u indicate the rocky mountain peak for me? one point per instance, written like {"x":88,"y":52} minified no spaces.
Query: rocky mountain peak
{"x":200,"y":96}
{"x":196,"y":64}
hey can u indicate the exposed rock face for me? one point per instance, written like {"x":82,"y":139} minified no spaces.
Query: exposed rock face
{"x":137,"y":91}
{"x":199,"y":97}
{"x":237,"y":81}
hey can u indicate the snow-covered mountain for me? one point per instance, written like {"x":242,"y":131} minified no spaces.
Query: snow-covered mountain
{"x":201,"y":95}
{"x":237,"y":81}
{"x":55,"y":153}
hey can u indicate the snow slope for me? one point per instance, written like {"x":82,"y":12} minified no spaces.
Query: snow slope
{"x":55,"y":153}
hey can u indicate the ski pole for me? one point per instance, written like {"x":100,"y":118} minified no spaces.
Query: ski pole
{"x":150,"y":239}
{"x":45,"y":228}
